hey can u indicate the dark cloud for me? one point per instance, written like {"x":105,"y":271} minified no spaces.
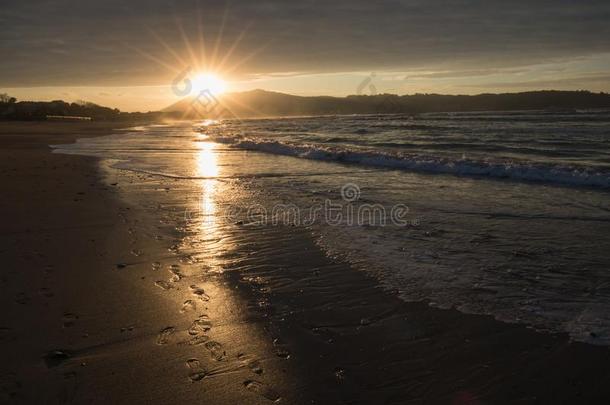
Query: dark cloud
{"x":104,"y":42}
{"x":575,"y":83}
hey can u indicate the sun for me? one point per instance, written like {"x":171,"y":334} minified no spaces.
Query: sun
{"x":208,"y":81}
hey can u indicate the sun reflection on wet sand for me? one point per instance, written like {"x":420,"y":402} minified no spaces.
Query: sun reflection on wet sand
{"x":203,"y":318}
{"x":208,"y":239}
{"x":207,"y":166}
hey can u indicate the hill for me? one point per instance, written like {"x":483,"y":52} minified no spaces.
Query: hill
{"x":259,"y":103}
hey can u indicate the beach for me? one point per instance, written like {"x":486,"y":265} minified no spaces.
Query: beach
{"x":128,"y":284}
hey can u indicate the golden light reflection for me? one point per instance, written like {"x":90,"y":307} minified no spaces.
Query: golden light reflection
{"x":207,"y":123}
{"x":207,"y":169}
{"x":207,"y":164}
{"x":206,"y":236}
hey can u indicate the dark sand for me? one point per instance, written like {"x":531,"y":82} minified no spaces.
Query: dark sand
{"x":83,"y":320}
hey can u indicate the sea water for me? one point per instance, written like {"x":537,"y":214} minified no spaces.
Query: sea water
{"x":506,"y":214}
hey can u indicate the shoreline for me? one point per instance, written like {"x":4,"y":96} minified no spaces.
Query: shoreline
{"x":318,"y":329}
{"x":85,"y":319}
{"x":371,"y":346}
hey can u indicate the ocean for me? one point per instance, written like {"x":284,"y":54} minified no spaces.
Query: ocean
{"x":498,"y":213}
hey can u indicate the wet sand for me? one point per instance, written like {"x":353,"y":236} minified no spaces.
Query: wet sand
{"x":100,"y":304}
{"x":84,"y":319}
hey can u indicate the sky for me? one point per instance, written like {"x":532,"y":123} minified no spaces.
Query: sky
{"x":127,"y":54}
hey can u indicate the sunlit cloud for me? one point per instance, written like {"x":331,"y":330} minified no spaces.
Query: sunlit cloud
{"x":138,"y":48}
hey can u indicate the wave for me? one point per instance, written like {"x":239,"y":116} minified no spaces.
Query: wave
{"x":517,"y":171}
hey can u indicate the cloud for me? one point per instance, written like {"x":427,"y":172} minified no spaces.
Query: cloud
{"x":583,"y":82}
{"x":70,"y":42}
{"x":452,"y":74}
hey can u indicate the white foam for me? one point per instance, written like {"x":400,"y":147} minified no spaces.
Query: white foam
{"x":545,"y":173}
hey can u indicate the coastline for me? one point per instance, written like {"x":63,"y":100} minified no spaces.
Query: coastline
{"x":84,"y":320}
{"x":319,"y":330}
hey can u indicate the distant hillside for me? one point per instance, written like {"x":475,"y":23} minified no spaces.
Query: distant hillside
{"x":258,"y":103}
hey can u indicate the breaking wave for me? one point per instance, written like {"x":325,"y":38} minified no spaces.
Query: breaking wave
{"x":512,"y":170}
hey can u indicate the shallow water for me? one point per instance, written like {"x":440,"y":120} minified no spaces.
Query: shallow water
{"x":525,"y":237}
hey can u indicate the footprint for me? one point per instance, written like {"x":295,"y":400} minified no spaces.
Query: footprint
{"x":188,"y":306}
{"x":216,"y":350}
{"x":175,"y":270}
{"x":188,"y":259}
{"x":196,"y":340}
{"x":69,"y":319}
{"x":22,"y":298}
{"x":250,"y":362}
{"x":262,"y":389}
{"x":165,"y":334}
{"x":199,"y":292}
{"x":197,"y":373}
{"x":56,"y":357}
{"x":284,"y":354}
{"x":164,"y":285}
{"x":200,"y":325}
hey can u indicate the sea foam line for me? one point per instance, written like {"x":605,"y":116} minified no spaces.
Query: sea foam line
{"x":551,"y":174}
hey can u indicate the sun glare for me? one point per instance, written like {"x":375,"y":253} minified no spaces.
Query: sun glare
{"x":209,"y":81}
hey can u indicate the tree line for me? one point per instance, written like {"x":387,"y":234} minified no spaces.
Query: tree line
{"x":11,"y":109}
